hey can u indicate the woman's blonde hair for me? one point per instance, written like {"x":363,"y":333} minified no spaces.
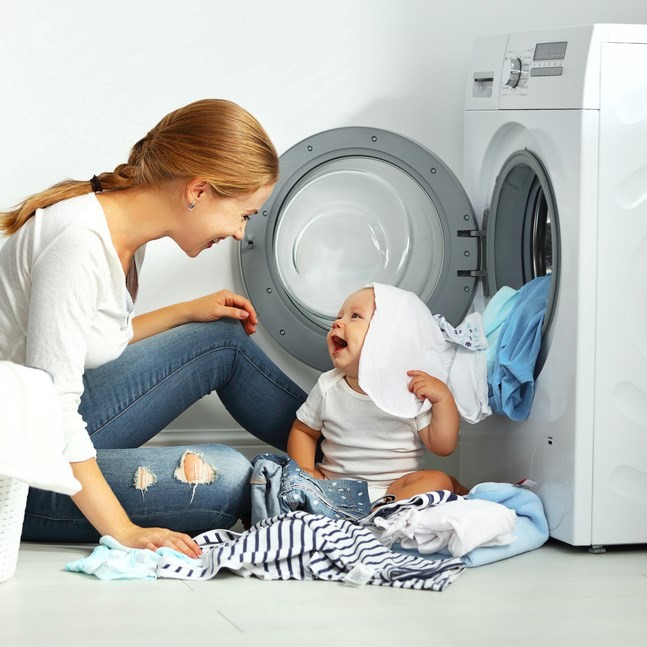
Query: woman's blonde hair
{"x":212,"y":139}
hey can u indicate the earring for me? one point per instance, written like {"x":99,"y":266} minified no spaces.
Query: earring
{"x":191,"y":206}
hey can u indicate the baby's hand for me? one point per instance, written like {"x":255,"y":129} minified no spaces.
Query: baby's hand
{"x":424,"y":385}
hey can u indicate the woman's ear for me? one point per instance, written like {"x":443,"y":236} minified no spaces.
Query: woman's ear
{"x":196,"y":190}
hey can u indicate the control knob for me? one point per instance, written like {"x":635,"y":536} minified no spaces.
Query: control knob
{"x":512,"y":71}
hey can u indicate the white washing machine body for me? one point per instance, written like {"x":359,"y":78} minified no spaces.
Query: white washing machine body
{"x":573,"y":99}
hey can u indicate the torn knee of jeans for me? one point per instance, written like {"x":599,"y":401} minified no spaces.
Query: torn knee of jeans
{"x":194,"y":470}
{"x":143,"y":479}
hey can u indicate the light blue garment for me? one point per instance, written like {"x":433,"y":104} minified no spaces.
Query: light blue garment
{"x":129,"y":400}
{"x":495,"y":314}
{"x":113,"y":561}
{"x":531,"y":527}
{"x":512,"y":382}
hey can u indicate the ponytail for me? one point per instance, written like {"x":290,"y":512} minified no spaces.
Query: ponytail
{"x":212,"y":139}
{"x":12,"y":221}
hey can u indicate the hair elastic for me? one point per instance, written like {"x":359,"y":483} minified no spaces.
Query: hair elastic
{"x":96,"y":184}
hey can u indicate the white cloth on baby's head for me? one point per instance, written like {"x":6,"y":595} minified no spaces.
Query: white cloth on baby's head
{"x":403,"y":336}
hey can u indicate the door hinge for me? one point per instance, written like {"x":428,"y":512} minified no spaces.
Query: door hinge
{"x":480,"y":235}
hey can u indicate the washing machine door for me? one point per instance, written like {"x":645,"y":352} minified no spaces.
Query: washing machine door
{"x":356,"y":205}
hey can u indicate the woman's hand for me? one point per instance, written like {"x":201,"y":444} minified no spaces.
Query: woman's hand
{"x":224,"y":304}
{"x":208,"y":308}
{"x":102,"y":509}
{"x":153,"y":538}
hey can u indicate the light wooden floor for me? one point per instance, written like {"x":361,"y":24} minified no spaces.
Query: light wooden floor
{"x":557,"y":595}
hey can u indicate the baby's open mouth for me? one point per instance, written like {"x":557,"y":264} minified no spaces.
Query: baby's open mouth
{"x":338,"y":343}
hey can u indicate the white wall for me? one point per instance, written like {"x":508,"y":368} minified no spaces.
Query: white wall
{"x":81,"y":82}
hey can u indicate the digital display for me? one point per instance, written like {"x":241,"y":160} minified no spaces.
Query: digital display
{"x":550,"y":51}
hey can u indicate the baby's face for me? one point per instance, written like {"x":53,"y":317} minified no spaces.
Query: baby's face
{"x":346,"y":337}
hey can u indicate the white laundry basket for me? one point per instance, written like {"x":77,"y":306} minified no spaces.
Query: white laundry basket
{"x":13,"y":498}
{"x":31,"y":448}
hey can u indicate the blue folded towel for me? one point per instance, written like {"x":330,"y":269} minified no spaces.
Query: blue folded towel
{"x":531,"y":527}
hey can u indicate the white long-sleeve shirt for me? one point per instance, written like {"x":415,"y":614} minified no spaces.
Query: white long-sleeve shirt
{"x":64,"y":306}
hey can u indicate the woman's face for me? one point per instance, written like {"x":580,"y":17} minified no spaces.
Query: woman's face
{"x":215,"y":218}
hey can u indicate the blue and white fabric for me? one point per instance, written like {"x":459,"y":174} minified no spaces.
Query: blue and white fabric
{"x":459,"y":525}
{"x":530,"y":528}
{"x":298,"y":546}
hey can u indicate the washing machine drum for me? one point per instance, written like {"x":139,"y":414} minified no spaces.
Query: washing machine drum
{"x":356,"y":205}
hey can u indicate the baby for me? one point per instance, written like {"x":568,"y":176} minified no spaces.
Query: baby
{"x":360,"y":439}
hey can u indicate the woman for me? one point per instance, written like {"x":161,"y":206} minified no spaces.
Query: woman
{"x":68,"y":281}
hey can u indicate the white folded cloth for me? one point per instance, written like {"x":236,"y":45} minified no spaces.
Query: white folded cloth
{"x":460,"y":526}
{"x":31,"y":432}
{"x":404,"y":335}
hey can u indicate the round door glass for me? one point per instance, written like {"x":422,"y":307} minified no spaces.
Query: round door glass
{"x":351,"y":221}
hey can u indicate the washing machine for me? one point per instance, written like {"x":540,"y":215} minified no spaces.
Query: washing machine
{"x":555,"y":166}
{"x":555,"y":183}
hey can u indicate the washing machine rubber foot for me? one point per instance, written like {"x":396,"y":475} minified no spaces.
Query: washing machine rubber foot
{"x":597,"y":549}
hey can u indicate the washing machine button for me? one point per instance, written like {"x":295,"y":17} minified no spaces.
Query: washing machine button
{"x":512,"y":71}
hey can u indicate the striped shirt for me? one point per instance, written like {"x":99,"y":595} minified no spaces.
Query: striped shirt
{"x":304,"y":546}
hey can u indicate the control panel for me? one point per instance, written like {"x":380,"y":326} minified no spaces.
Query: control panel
{"x":543,"y":69}
{"x":552,"y":69}
{"x":520,"y":67}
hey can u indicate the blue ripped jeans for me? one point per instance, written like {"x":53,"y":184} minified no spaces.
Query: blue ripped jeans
{"x":129,"y":400}
{"x":279,"y":485}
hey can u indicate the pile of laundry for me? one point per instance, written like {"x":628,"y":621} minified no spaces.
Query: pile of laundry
{"x":424,"y":542}
{"x":492,"y":522}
